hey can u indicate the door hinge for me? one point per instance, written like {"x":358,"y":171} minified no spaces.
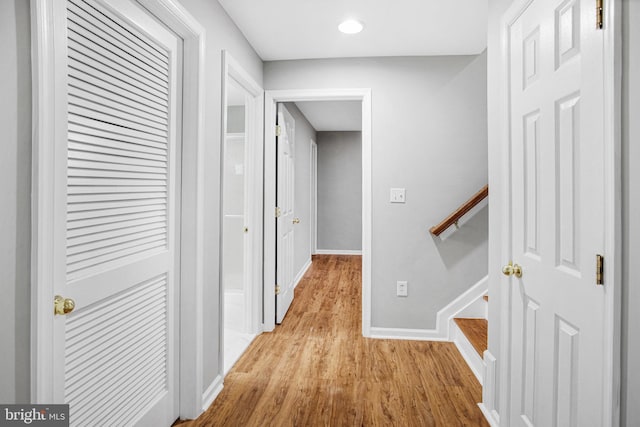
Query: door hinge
{"x":599,"y":270}
{"x":278,"y":212}
{"x":278,"y":130}
{"x":599,"y":14}
{"x":277,"y":290}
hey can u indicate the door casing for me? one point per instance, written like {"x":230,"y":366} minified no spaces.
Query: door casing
{"x":612,"y":188}
{"x":296,"y":95}
{"x":46,"y":121}
{"x":313,"y":191}
{"x":254,"y":165}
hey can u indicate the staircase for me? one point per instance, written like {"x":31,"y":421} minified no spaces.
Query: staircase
{"x":469,"y":333}
{"x":467,"y":316}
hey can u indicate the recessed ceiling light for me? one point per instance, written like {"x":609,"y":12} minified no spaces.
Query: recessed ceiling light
{"x":351,"y":26}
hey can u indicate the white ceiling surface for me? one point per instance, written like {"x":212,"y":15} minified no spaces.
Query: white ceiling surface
{"x":303,"y":29}
{"x":333,"y":115}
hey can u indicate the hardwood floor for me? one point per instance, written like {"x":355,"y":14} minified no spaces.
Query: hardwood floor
{"x":316,"y":369}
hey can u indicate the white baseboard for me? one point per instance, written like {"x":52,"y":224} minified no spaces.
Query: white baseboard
{"x":301,"y":273}
{"x":212,"y":392}
{"x":406,"y":334}
{"x":337,"y":252}
{"x":492,"y":416}
{"x":469,"y":353}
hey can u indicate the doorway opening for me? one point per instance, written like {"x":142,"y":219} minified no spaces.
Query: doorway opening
{"x":274,"y":189}
{"x":235,"y":257}
{"x":241,"y":228}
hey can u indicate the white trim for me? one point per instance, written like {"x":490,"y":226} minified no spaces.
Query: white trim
{"x":489,"y":390}
{"x":296,"y":95}
{"x":175,"y":17}
{"x":444,"y":319}
{"x":407,"y":334}
{"x":337,"y":252}
{"x":212,"y":392}
{"x":492,"y":417}
{"x":301,"y":273}
{"x":613,"y":209}
{"x":612,"y":63}
{"x":313,"y":195}
{"x":469,"y":297}
{"x":44,"y":129}
{"x":468,"y":352}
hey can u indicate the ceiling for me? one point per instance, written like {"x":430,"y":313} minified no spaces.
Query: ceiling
{"x":303,"y":29}
{"x":333,"y":115}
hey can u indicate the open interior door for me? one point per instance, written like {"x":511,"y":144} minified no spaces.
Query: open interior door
{"x":556,"y":116}
{"x":285,"y":220}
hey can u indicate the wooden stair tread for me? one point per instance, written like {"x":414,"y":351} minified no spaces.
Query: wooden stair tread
{"x":486,"y":298}
{"x":476,"y":332}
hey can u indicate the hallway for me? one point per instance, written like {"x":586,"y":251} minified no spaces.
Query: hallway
{"x":316,"y":369}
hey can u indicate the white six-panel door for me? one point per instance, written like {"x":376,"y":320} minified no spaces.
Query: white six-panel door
{"x":556,"y":136}
{"x":117,"y":215}
{"x":285,"y":222}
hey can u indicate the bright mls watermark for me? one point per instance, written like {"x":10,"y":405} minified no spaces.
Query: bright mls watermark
{"x":35,"y":415}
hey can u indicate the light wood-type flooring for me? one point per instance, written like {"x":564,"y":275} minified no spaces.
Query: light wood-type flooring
{"x":316,"y":369}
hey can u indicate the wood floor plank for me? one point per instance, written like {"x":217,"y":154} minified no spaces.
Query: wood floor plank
{"x":316,"y":369}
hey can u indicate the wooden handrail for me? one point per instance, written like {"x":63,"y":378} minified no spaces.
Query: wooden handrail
{"x":459,"y":213}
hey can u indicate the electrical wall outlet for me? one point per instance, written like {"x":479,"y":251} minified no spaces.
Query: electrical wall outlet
{"x":402,"y":288}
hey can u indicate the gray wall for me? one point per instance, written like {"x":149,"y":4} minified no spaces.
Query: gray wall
{"x":340,"y":190}
{"x":302,"y":199}
{"x":15,"y":185}
{"x":630,"y":410}
{"x":429,"y":136}
{"x":15,"y":170}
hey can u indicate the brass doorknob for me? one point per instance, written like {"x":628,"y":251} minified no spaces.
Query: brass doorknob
{"x":63,"y":305}
{"x":512,"y":269}
{"x":296,"y":220}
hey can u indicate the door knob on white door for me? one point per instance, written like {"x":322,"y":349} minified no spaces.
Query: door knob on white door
{"x":63,"y":305}
{"x":296,"y":220}
{"x":512,"y":269}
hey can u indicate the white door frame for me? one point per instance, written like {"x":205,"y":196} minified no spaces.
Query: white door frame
{"x":612,"y":188}
{"x":313,"y":195}
{"x":253,"y":173}
{"x":272,"y":97}
{"x":45,"y":119}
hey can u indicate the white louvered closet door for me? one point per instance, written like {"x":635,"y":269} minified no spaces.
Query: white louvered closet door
{"x":117,"y":350}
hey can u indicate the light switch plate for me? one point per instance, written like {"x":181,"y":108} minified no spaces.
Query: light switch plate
{"x":402,"y":288}
{"x":397,"y":195}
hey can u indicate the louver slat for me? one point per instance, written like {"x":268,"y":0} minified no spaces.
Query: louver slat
{"x":125,"y":118}
{"x":121,"y":47}
{"x":123,"y":367}
{"x":82,"y":130}
{"x":131,"y":76}
{"x":119,"y":31}
{"x":118,"y":153}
